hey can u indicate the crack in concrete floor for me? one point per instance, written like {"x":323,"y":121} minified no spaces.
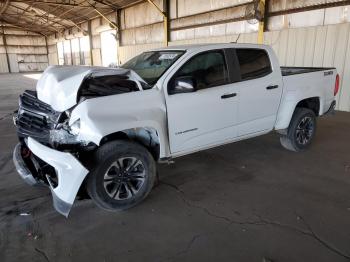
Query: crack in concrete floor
{"x":259,"y":222}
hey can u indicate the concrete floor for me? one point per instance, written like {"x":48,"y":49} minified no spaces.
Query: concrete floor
{"x":248,"y":201}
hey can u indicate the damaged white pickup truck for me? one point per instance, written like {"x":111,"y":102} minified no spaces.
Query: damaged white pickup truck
{"x":102,"y":130}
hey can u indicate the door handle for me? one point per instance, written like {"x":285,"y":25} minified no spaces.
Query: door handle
{"x":272,"y":87}
{"x":228,"y":95}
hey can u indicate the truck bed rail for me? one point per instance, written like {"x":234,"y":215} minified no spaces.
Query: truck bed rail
{"x":290,"y":70}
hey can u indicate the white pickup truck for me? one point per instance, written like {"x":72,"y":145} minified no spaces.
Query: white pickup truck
{"x":102,"y":130}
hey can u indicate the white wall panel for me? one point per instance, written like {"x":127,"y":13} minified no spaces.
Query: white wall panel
{"x":3,"y":64}
{"x":340,"y":49}
{"x":32,"y":58}
{"x":320,"y":41}
{"x":345,"y":80}
{"x":25,"y":40}
{"x":282,"y":47}
{"x":301,"y":37}
{"x":131,"y":16}
{"x":53,"y":59}
{"x":310,"y":40}
{"x":291,"y":47}
{"x":329,"y":50}
{"x":27,"y":50}
{"x":30,"y":67}
{"x":13,"y":63}
{"x":190,"y":7}
{"x":337,"y":15}
{"x":96,"y":57}
{"x":128,"y":52}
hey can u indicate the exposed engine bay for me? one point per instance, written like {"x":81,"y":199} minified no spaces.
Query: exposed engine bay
{"x":106,"y":85}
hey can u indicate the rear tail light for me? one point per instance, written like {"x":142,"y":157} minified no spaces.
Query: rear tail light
{"x":336,"y":86}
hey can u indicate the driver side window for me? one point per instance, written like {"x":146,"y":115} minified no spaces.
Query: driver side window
{"x":206,"y":70}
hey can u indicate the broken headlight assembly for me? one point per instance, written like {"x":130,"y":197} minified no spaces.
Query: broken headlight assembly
{"x":65,"y":134}
{"x":74,"y":128}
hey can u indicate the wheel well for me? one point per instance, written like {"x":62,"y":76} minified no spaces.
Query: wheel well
{"x":113,"y":136}
{"x":148,"y":137}
{"x":312,"y":103}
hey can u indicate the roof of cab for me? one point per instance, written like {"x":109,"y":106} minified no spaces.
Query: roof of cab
{"x":195,"y":47}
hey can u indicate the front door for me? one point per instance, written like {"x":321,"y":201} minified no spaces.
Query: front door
{"x":208,"y":115}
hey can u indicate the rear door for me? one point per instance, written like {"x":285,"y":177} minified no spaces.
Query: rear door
{"x":207,"y":116}
{"x":260,"y":91}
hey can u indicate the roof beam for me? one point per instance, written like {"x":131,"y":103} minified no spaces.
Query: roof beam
{"x":107,"y":3}
{"x":111,"y":23}
{"x":60,"y":18}
{"x":4,"y":6}
{"x":34,"y":3}
{"x":50,"y":24}
{"x":67,"y":11}
{"x":33,"y":20}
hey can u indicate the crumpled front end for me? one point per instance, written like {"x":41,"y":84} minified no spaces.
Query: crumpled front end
{"x":61,"y":171}
{"x":48,"y":153}
{"x":52,"y":149}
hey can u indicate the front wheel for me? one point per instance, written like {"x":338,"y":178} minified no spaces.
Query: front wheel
{"x":123,"y":175}
{"x":301,"y":130}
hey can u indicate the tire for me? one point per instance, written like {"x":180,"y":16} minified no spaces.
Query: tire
{"x":301,"y":130}
{"x":123,"y":175}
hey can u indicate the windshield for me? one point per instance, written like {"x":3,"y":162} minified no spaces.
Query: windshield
{"x":152,"y":65}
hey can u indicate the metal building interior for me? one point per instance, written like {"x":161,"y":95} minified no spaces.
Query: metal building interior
{"x":248,"y":201}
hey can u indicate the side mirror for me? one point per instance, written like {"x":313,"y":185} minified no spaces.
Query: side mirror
{"x":183,"y":84}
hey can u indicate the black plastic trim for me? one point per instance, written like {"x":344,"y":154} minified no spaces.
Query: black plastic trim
{"x":303,"y":70}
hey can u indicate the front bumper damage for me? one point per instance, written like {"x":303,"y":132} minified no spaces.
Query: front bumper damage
{"x":69,"y":171}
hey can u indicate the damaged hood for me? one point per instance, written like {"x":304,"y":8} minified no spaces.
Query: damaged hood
{"x":59,"y":85}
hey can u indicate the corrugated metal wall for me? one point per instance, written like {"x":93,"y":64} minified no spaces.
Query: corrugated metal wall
{"x":26,"y":52}
{"x":321,"y":46}
{"x":3,"y":64}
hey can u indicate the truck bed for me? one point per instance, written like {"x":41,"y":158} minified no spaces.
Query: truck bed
{"x":290,"y":70}
{"x":300,"y":82}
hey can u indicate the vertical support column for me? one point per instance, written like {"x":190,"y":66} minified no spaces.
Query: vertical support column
{"x":81,"y":54}
{"x":164,"y":13}
{"x":166,"y":7}
{"x":5,"y":46}
{"x":71,"y":52}
{"x":261,"y":27}
{"x":47,"y":50}
{"x":119,"y":24}
{"x":91,"y":42}
{"x":266,"y":15}
{"x":118,"y":34}
{"x":58,"y":55}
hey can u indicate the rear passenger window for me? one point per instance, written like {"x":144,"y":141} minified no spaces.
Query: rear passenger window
{"x":254,"y":63}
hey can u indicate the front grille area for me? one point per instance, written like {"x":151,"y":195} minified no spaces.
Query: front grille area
{"x":35,"y":118}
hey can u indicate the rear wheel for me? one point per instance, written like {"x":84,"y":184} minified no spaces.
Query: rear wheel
{"x":123,"y":175}
{"x":301,"y":130}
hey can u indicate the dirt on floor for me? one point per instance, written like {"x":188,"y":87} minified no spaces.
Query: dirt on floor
{"x":248,"y":201}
